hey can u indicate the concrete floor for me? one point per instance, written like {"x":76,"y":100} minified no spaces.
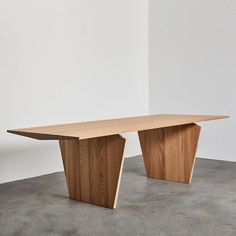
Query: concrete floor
{"x":39,"y":206}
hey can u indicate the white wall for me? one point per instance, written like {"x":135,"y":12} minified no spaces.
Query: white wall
{"x":192,"y":56}
{"x":67,"y":61}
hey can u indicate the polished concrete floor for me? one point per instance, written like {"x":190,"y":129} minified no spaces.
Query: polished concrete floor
{"x":39,"y":206}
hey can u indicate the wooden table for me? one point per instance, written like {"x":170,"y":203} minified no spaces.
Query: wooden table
{"x":92,"y":152}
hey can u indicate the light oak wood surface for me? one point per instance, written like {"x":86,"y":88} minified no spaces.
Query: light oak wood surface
{"x":93,"y":168}
{"x":169,"y":153}
{"x":92,"y":129}
{"x":92,"y":152}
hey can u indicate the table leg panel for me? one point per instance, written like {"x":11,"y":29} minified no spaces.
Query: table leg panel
{"x":169,"y":153}
{"x":93,"y":168}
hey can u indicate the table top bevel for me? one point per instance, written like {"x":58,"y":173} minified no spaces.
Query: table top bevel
{"x":92,"y":129}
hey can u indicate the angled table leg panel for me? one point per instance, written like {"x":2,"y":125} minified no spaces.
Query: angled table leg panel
{"x":169,"y":153}
{"x":93,"y":168}
{"x":70,"y":150}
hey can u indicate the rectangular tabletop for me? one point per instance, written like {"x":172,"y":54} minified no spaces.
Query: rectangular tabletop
{"x":91,"y":129}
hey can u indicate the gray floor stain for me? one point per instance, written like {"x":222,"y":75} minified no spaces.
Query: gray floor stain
{"x":207,"y":207}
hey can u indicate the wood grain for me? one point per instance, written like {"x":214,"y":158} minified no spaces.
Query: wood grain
{"x":92,"y":129}
{"x":169,"y":153}
{"x":93,"y":168}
